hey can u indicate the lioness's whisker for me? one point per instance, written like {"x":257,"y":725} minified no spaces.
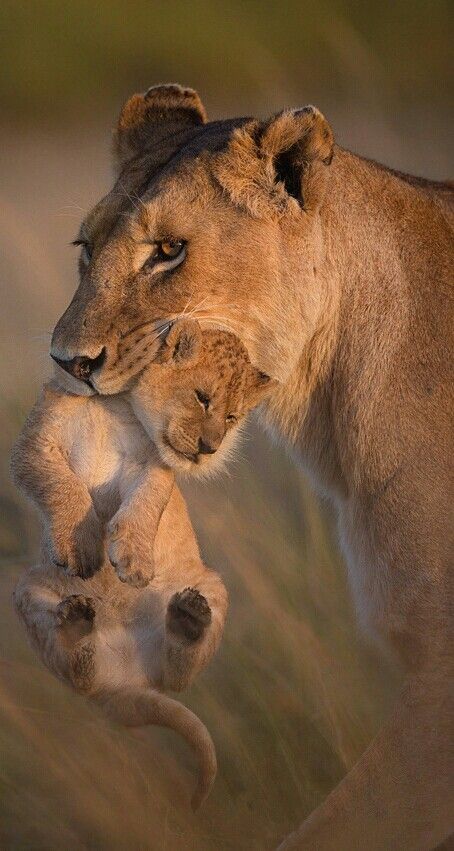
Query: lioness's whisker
{"x":39,"y":337}
{"x":186,"y":305}
{"x":220,"y":320}
{"x":194,"y":309}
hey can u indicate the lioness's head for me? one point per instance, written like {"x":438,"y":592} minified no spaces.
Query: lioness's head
{"x":216,"y":220}
{"x":195,"y":394}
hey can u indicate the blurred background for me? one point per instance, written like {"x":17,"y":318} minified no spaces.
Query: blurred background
{"x":295,"y":693}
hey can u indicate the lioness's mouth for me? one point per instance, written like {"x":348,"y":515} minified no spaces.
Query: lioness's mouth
{"x":75,"y":386}
{"x":80,"y":370}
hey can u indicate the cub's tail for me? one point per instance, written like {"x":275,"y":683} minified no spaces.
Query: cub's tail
{"x":137,"y":707}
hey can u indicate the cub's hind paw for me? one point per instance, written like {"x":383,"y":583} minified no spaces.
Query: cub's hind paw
{"x":188,"y":614}
{"x":77,"y":607}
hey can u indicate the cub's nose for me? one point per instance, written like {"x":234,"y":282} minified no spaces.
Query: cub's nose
{"x":207,"y":448}
{"x":81,"y":367}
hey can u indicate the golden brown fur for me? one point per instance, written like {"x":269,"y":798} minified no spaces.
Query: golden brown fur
{"x":337,"y":275}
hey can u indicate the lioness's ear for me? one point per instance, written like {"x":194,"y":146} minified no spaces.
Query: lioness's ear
{"x":148,"y":118}
{"x":286,"y":157}
{"x":182,"y":344}
{"x":258,"y":387}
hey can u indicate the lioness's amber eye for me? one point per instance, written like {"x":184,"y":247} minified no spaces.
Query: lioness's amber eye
{"x":169,"y":251}
{"x":171,"y":248}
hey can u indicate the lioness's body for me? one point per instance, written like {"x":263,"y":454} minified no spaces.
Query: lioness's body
{"x":84,"y":460}
{"x":337,"y":274}
{"x":373,"y":422}
{"x":369,"y":407}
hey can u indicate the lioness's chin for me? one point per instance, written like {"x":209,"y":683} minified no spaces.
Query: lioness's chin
{"x":69,"y":384}
{"x":109,"y":384}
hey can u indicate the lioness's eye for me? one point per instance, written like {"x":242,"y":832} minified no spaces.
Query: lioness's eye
{"x":169,"y":251}
{"x":202,"y":398}
{"x":87,"y":250}
{"x":231,"y":418}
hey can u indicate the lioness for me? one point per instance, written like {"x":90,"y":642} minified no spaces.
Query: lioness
{"x":336,"y":273}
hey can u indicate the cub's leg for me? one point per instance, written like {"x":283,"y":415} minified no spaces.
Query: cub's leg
{"x":40,"y":467}
{"x":194,"y":624}
{"x":36,"y":604}
{"x":131,"y":532}
{"x":75,"y":616}
{"x":56,"y":627}
{"x":188,"y":614}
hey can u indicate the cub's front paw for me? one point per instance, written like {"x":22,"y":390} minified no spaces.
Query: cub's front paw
{"x":75,"y":608}
{"x":78,"y":547}
{"x":126,"y":557}
{"x":188,"y":614}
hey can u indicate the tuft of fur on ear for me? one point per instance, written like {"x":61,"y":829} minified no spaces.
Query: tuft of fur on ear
{"x":259,"y":386}
{"x":269,"y":163}
{"x":148,"y":118}
{"x":182,"y":344}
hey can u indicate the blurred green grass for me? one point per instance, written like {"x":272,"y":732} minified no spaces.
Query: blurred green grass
{"x":295,"y":693}
{"x":60,"y":56}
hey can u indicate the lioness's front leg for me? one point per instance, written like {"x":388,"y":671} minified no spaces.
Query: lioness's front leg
{"x":132,"y":530}
{"x":400,"y":794}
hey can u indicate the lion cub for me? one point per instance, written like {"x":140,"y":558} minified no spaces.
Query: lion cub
{"x":110,"y":510}
{"x":193,"y":414}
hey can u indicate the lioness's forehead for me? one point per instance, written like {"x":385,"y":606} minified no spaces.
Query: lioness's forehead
{"x":148,"y":176}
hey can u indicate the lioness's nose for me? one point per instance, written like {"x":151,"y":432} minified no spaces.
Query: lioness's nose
{"x":81,"y":367}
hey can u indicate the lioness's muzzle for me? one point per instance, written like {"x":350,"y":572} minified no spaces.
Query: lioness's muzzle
{"x":82,"y":367}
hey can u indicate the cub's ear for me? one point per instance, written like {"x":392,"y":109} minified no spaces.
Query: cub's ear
{"x":288,"y":156}
{"x":259,"y":386}
{"x":146,"y":119}
{"x":182,"y":344}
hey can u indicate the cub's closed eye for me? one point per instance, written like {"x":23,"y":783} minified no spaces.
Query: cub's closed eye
{"x":168,"y":252}
{"x":202,"y":399}
{"x":231,"y":419}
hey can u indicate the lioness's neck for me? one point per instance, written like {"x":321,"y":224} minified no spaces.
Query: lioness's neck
{"x":377,"y":230}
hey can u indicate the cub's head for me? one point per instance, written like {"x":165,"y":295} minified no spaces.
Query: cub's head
{"x":219,"y":220}
{"x":194,"y":396}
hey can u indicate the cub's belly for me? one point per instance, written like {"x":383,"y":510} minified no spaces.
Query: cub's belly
{"x":100,"y":463}
{"x":108,"y":448}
